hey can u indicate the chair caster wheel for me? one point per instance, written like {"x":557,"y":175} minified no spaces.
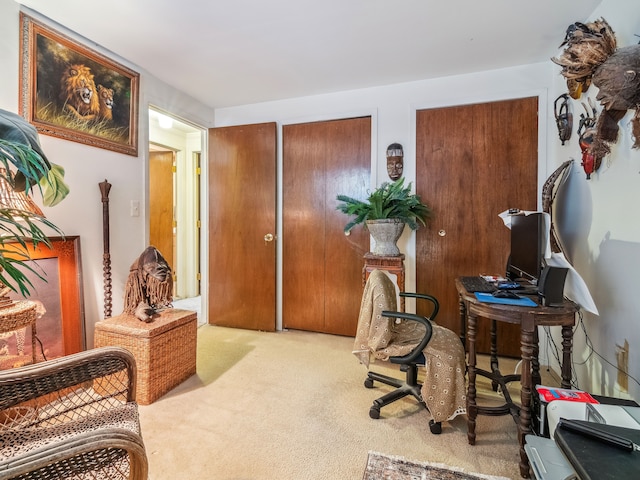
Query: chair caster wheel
{"x":374,"y":412}
{"x":435,"y":427}
{"x":368,"y":383}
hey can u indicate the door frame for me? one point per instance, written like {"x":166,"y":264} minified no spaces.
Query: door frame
{"x":203,"y":237}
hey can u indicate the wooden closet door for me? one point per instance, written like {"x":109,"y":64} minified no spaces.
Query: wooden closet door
{"x":472,"y":163}
{"x":242,"y":210}
{"x":322,"y":268}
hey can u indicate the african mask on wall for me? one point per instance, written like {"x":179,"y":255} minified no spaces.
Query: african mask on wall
{"x":395,"y":161}
{"x":564,"y":117}
{"x":590,"y":56}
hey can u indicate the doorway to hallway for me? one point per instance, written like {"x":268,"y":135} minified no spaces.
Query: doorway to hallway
{"x":175,"y":150}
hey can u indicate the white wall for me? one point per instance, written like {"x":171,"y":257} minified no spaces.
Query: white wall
{"x":596,"y":218}
{"x":81,"y":212}
{"x":602,"y":232}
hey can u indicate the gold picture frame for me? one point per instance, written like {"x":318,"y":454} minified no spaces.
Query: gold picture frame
{"x":72,"y":92}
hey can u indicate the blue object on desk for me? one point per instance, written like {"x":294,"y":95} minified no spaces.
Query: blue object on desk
{"x":521,"y":302}
{"x":509,"y":285}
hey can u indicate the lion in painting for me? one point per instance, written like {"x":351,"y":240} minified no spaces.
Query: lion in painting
{"x":105,"y":95}
{"x":79,"y":93}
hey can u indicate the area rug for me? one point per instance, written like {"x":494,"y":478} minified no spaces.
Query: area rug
{"x":385,"y":467}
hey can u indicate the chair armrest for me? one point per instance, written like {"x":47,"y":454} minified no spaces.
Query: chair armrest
{"x":30,"y":382}
{"x":417,"y":351}
{"x":99,"y":447}
{"x":74,"y":415}
{"x":435,"y":305}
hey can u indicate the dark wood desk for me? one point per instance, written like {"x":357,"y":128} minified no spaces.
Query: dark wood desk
{"x":529,"y":318}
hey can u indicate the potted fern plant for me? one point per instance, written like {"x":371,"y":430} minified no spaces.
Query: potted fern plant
{"x":23,"y":167}
{"x":385,"y":213}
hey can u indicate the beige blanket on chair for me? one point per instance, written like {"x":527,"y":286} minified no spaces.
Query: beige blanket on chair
{"x":444,"y":389}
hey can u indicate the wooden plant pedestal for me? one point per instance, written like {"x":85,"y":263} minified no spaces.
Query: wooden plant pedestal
{"x":391,"y":264}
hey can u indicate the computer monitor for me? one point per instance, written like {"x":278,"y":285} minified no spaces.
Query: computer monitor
{"x":528,"y":243}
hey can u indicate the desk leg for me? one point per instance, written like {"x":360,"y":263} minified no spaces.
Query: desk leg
{"x":535,"y":361}
{"x":472,"y":411}
{"x":463,"y":322}
{"x":567,"y":345}
{"x":526,"y":347}
{"x":494,"y":352}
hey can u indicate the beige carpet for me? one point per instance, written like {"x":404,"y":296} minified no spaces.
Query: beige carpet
{"x":292,"y":406}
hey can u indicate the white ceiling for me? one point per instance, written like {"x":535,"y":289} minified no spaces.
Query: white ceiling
{"x":236,"y":52}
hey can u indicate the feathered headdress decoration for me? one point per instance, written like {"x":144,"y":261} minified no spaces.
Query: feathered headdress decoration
{"x":587,"y":46}
{"x":591,"y":56}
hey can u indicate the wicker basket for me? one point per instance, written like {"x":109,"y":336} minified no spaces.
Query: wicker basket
{"x":15,"y":316}
{"x":165,"y":349}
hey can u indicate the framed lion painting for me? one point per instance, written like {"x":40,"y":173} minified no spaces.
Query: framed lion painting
{"x":70,"y":91}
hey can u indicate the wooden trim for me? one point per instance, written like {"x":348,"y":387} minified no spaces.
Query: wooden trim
{"x":67,"y":251}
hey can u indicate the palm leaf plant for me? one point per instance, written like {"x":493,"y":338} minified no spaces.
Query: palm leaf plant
{"x":389,"y":200}
{"x":24,"y":167}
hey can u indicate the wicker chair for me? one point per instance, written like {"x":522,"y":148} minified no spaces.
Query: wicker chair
{"x":74,"y":417}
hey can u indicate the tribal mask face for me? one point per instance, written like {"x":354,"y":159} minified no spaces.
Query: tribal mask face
{"x":149,"y":287}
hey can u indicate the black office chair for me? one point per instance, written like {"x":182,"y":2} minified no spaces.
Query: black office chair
{"x":408,"y":363}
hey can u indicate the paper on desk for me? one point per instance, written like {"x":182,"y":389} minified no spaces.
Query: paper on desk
{"x":574,"y":286}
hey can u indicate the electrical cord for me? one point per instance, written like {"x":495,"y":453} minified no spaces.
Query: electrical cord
{"x":41,"y":348}
{"x":593,"y":350}
{"x":552,"y":347}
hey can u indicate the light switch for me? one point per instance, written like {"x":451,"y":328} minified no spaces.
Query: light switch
{"x":135,"y":208}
